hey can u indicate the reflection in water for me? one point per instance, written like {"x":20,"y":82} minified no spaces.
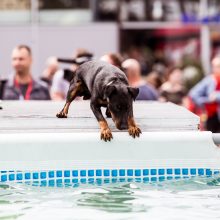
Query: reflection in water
{"x":114,"y":199}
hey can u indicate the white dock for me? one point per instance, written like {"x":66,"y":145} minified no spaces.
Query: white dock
{"x":40,"y":116}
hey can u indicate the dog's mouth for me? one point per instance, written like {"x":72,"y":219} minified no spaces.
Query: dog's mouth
{"x":122,"y":127}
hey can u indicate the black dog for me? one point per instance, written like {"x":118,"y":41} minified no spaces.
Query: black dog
{"x":106,"y":86}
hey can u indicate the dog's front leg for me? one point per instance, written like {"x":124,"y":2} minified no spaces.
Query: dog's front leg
{"x":106,"y":133}
{"x":133,"y":129}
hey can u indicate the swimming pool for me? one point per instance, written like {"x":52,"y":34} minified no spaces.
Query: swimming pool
{"x":196,"y":198}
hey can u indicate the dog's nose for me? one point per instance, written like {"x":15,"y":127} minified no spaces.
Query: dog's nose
{"x":123,"y":127}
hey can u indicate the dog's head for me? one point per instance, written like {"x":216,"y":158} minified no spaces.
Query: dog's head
{"x":120,"y":103}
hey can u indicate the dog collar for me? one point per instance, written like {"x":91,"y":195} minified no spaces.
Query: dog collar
{"x":110,"y":83}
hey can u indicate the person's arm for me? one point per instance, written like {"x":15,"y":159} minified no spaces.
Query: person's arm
{"x":200,"y":93}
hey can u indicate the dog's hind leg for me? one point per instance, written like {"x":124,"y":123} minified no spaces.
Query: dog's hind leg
{"x":71,"y":95}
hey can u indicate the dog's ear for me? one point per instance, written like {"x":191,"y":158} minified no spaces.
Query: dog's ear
{"x":133,"y":91}
{"x":108,"y":91}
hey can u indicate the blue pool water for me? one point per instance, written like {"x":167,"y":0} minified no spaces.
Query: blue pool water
{"x":194,"y":198}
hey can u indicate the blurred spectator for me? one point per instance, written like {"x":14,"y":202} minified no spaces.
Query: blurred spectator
{"x":51,"y":67}
{"x":155,"y":79}
{"x":2,"y":86}
{"x":133,"y":71}
{"x":173,"y":90}
{"x":206,"y":96}
{"x":112,"y":58}
{"x":21,"y":85}
{"x":62,"y":78}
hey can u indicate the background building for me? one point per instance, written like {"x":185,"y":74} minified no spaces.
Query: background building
{"x":149,"y":30}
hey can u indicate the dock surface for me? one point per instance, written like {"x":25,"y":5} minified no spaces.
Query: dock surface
{"x":40,"y":117}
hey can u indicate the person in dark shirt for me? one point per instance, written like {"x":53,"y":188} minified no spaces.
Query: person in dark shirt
{"x":21,"y":85}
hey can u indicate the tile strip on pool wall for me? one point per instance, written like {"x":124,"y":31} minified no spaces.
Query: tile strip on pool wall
{"x":90,"y":175}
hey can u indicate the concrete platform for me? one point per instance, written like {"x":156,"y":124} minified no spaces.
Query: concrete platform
{"x":39,"y":116}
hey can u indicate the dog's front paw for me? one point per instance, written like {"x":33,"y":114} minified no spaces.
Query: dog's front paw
{"x":106,"y":135}
{"x":134,"y":131}
{"x":61,"y":115}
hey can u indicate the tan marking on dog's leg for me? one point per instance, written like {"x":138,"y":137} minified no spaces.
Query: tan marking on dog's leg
{"x":106,"y":134}
{"x":133,"y":130}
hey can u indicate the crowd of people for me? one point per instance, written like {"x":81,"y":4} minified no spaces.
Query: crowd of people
{"x":166,"y":83}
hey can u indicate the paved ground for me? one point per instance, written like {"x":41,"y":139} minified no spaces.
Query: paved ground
{"x":39,"y":116}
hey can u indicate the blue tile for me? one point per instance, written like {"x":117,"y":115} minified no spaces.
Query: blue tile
{"x":114,"y":173}
{"x":36,"y":183}
{"x":82,"y":172}
{"x":216,"y":172}
{"x":145,"y":172}
{"x":59,"y":181}
{"x":83,"y":180}
{"x":43,"y":175}
{"x":130,"y":172}
{"x":11,"y":177}
{"x":146,"y":179}
{"x":90,"y":172}
{"x":98,"y":172}
{"x":4,"y":178}
{"x":153,"y":172}
{"x":43,"y":183}
{"x":137,"y":172}
{"x":99,"y":180}
{"x":185,"y":171}
{"x":106,"y":180}
{"x":193,"y":171}
{"x":67,"y":181}
{"x":121,"y":172}
{"x":74,"y":180}
{"x":177,"y":177}
{"x":161,"y":171}
{"x":19,"y":176}
{"x":35,"y":176}
{"x":27,"y":176}
{"x":91,"y":180}
{"x":3,"y":171}
{"x":161,"y":178}
{"x":153,"y":179}
{"x":169,"y":177}
{"x":122,"y":180}
{"x":169,"y":171}
{"x":185,"y":177}
{"x":59,"y":173}
{"x":114,"y":180}
{"x":75,"y":173}
{"x":138,"y":180}
{"x":51,"y":182}
{"x":51,"y":174}
{"x":106,"y":172}
{"x":66,"y":173}
{"x":177,"y":171}
{"x":201,"y":171}
{"x":208,"y":172}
